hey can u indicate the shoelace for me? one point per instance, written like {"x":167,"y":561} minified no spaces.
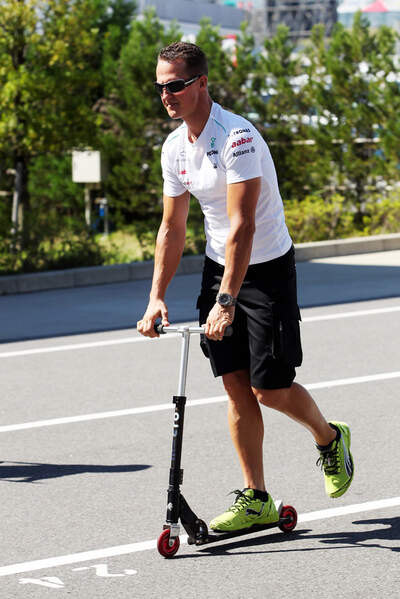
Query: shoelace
{"x":240,"y":501}
{"x":329,"y":460}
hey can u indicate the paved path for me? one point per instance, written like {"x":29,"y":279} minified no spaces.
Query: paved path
{"x":86,"y":424}
{"x":120,"y":305}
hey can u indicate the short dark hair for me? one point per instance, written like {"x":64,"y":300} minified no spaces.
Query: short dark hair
{"x":192,"y":55}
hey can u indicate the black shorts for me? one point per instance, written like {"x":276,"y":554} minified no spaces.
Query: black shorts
{"x":266,"y":333}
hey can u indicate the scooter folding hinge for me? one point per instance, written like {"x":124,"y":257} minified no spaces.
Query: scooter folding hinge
{"x":174,"y":531}
{"x":279,"y":506}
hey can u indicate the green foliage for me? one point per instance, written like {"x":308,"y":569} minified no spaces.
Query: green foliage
{"x":29,"y":251}
{"x":382,"y":215}
{"x":46,"y":82}
{"x":79,"y":74}
{"x":134,"y":126}
{"x":354,"y":101}
{"x":314,"y":219}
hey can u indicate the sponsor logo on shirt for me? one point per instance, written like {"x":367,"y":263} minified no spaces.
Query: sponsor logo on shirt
{"x":252,"y":149}
{"x":183,"y":172}
{"x":240,"y":153}
{"x":212,"y":152}
{"x":241,"y":141}
{"x":212,"y":141}
{"x":239,"y":131}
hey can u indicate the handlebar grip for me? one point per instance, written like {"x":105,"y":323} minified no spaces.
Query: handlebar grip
{"x":159,"y":328}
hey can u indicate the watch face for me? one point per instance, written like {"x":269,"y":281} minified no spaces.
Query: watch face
{"x":224,"y":299}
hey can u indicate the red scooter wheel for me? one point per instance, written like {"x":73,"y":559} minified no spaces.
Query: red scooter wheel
{"x":163,"y":545}
{"x":290,"y":513}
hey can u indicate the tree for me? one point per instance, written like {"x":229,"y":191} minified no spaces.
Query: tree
{"x":356,"y":105}
{"x":282,"y":108}
{"x":47,"y":82}
{"x":134,"y":125}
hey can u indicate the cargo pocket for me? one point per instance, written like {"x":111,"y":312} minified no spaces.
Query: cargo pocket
{"x":287,"y":339}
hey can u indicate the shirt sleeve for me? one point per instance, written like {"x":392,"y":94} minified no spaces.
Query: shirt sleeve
{"x":172,"y":186}
{"x":242,"y":155}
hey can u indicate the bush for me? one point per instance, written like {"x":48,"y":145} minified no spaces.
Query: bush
{"x":314,"y":219}
{"x":382,"y":215}
{"x":34,"y":253}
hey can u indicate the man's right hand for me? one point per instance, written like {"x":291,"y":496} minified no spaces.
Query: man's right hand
{"x":155,"y":309}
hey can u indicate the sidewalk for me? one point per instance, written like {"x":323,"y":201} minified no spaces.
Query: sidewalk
{"x":136,"y":271}
{"x":109,"y":307}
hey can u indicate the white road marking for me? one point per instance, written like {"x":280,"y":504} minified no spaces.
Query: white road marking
{"x":140,"y":339}
{"x":75,"y":558}
{"x":76,"y":346}
{"x":191,"y":403}
{"x":351,"y":314}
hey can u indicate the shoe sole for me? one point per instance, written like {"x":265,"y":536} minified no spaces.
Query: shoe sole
{"x":255,"y":524}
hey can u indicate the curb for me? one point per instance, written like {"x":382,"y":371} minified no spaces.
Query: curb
{"x":136,"y":271}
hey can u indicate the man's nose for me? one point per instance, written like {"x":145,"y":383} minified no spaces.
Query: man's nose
{"x":165,"y":91}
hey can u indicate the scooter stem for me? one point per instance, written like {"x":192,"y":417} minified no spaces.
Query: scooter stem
{"x":184,"y":361}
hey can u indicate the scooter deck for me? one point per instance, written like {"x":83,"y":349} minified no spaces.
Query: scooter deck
{"x":216,"y":536}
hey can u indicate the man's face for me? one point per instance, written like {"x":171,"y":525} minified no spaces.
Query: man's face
{"x":183,"y":103}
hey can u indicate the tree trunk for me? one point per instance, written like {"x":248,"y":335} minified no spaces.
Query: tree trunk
{"x":20,"y":196}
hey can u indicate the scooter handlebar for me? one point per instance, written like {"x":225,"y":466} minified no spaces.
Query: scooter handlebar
{"x":163,"y":330}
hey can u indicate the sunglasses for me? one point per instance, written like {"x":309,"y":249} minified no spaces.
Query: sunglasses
{"x":175,"y":86}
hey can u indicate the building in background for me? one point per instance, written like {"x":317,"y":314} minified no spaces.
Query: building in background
{"x":378,"y":12}
{"x":299,"y":16}
{"x":227,"y":14}
{"x":264,"y":16}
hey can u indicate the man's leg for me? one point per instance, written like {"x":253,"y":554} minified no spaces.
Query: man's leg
{"x":253,"y":505}
{"x":296,"y":402}
{"x":333,"y":439}
{"x":246,"y":427}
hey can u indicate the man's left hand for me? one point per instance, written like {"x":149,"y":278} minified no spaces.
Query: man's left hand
{"x":218,"y":319}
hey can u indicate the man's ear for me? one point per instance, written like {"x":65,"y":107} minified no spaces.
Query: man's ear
{"x":203,"y":81}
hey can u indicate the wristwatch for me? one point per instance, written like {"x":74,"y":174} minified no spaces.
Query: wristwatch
{"x":225,"y":299}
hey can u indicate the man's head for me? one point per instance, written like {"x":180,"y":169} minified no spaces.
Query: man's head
{"x":182,"y":79}
{"x":192,"y":56}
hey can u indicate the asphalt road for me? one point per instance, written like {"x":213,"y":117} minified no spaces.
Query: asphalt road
{"x":86,"y":425}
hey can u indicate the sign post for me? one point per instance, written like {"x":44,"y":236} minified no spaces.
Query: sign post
{"x":88,"y":168}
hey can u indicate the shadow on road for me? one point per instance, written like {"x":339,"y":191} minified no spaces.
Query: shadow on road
{"x":381,"y":537}
{"x":30,"y":472}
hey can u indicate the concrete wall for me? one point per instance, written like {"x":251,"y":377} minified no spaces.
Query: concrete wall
{"x":186,"y":11}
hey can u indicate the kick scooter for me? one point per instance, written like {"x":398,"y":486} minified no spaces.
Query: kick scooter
{"x":177,"y":507}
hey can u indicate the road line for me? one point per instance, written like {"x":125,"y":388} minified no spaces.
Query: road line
{"x":194,"y":402}
{"x":111,"y":414}
{"x":126,"y":340}
{"x":74,"y":346}
{"x":75,"y":558}
{"x":351,"y":314}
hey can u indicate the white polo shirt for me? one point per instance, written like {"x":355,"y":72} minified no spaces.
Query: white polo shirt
{"x":229,"y":150}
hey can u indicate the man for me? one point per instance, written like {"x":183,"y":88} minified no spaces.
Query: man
{"x":249,"y":278}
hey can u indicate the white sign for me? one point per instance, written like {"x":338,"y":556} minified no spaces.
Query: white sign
{"x":87,"y":167}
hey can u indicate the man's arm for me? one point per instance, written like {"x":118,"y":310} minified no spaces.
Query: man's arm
{"x":169,"y":248}
{"x":242,"y":201}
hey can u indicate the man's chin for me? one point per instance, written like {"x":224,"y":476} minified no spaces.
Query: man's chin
{"x":173,"y":113}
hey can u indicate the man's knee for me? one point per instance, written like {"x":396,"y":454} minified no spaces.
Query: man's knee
{"x":236,"y":382}
{"x":273,"y":398}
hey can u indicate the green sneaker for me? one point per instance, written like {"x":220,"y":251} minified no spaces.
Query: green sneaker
{"x":337,"y":462}
{"x":245,"y":512}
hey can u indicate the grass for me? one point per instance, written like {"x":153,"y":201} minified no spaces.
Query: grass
{"x":128,"y":245}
